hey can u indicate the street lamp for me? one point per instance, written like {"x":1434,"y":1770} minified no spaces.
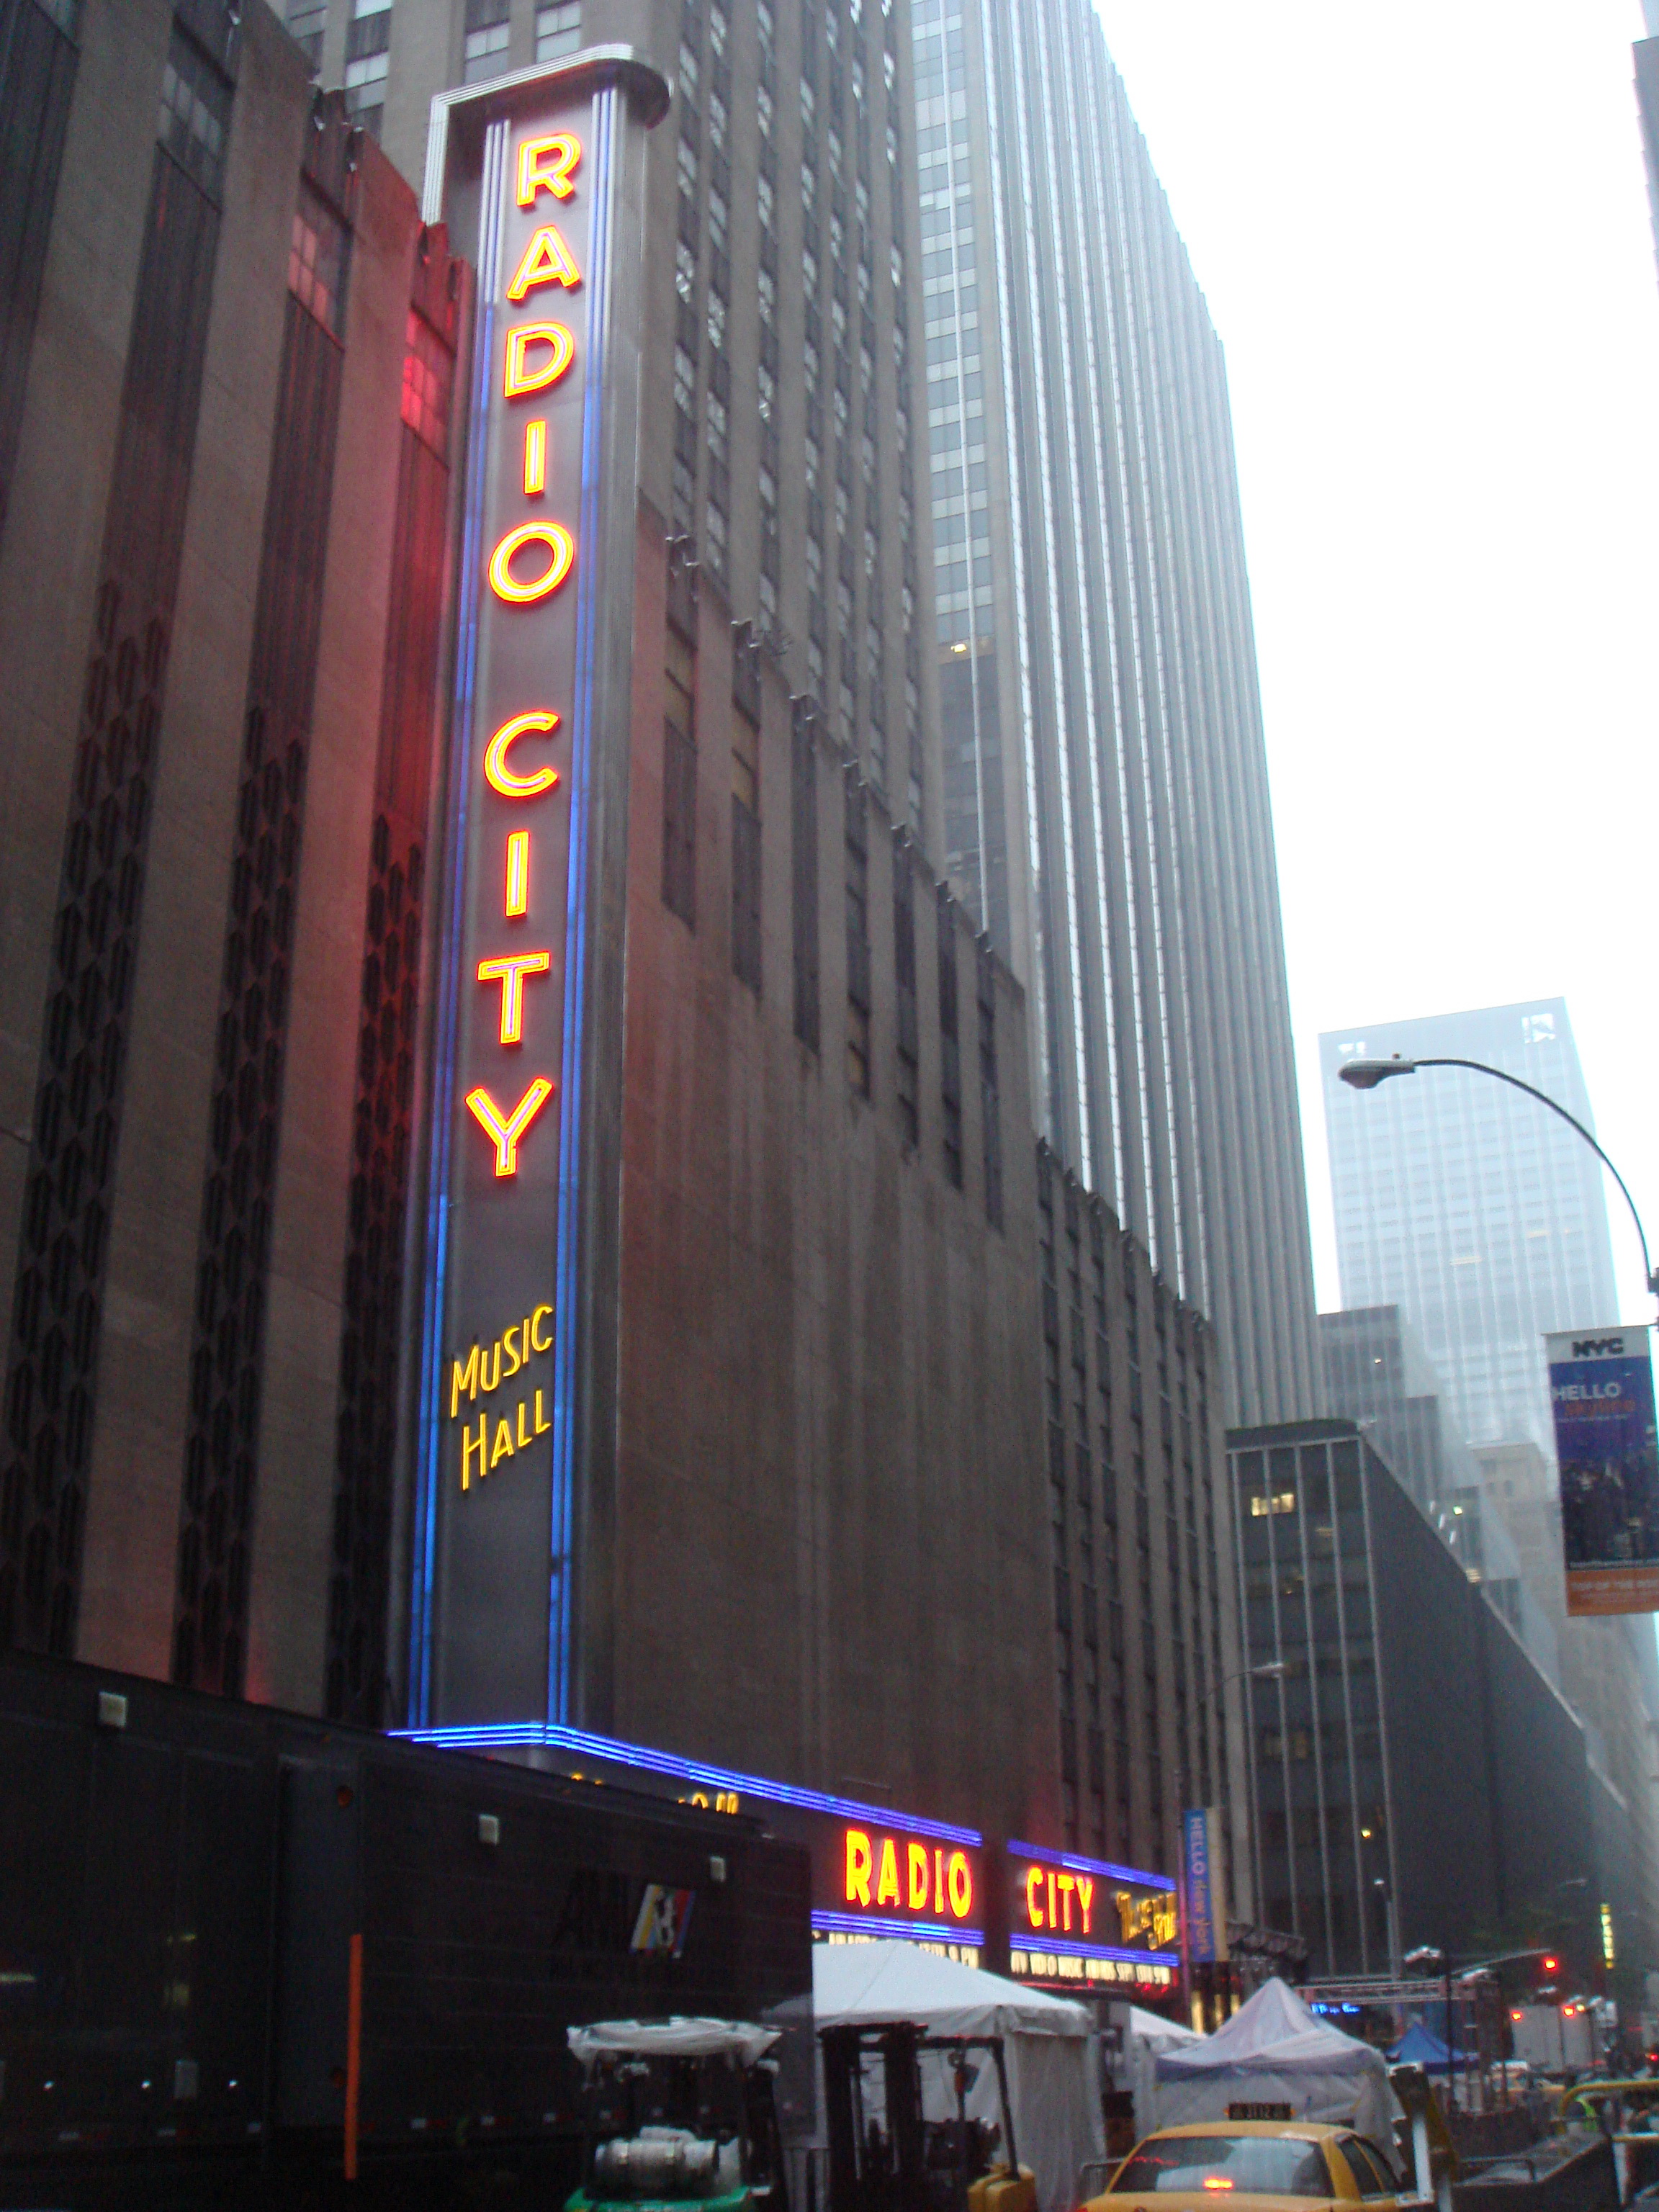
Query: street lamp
{"x":1366,"y":1074}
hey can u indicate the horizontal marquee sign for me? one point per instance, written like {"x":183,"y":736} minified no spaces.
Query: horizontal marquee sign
{"x":1074,"y":1920}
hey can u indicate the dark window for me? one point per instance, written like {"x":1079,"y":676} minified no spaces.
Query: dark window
{"x":989,"y":1110}
{"x":195,"y":114}
{"x":949,"y":1045}
{"x":355,"y":1679}
{"x":858,"y":939}
{"x":37,"y":78}
{"x":904,"y":985}
{"x":805,"y":830}
{"x":317,"y":262}
{"x":57,"y":1300}
{"x":217,"y":1519}
{"x":746,"y":857}
{"x":679,"y":823}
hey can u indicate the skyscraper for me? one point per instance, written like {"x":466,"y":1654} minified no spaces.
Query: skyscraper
{"x":1472,"y":1205}
{"x":1105,"y":781}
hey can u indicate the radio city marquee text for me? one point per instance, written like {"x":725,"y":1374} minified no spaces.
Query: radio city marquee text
{"x":530,"y":562}
{"x":883,"y":1872}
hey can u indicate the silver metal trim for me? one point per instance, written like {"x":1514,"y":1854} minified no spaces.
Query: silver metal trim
{"x":651,"y":92}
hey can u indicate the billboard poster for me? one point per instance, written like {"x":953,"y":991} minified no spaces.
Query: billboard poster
{"x":1207,"y":1886}
{"x":1602,"y":1395}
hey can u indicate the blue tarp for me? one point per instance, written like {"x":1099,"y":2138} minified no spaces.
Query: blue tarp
{"x":1418,"y":2047}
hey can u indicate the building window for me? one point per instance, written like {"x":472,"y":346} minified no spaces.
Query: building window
{"x":679,"y":783}
{"x":316,"y":260}
{"x":989,"y":1109}
{"x":904,"y":984}
{"x":558,"y":29}
{"x":195,"y":114}
{"x":858,"y":941}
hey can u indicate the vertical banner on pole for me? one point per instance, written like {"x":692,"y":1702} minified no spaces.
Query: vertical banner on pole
{"x":1206,"y":1882}
{"x":1601,"y":1396}
{"x":541,"y":176}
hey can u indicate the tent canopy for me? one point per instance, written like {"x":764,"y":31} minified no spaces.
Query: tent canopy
{"x":1048,"y":2042}
{"x":679,"y":2038}
{"x":1275,"y":2050}
{"x":854,"y":1981}
{"x":1418,"y":2046}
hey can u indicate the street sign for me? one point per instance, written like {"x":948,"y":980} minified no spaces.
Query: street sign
{"x":1601,"y":1392}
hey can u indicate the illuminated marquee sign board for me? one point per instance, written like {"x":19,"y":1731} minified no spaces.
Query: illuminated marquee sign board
{"x":875,"y":1872}
{"x":1086,"y":1925}
{"x":541,"y":178}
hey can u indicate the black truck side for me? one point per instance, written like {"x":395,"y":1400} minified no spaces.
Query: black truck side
{"x":241,"y":1951}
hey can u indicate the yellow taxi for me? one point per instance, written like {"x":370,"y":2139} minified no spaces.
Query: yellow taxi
{"x":1285,"y":2164}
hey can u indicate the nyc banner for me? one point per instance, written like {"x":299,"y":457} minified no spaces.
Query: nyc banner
{"x":1602,"y":1394}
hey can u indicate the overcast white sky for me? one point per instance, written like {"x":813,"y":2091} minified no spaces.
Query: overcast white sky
{"x":1423,"y":231}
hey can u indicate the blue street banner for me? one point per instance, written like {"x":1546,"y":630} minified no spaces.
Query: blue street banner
{"x":1207,"y":1887}
{"x":1601,"y":1392}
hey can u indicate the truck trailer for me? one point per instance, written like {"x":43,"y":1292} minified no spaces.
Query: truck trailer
{"x":250,"y":1958}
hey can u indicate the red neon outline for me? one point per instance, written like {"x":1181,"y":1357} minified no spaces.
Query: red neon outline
{"x":505,"y":1131}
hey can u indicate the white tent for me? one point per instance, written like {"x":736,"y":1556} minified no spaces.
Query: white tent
{"x":1149,"y":2033}
{"x":1047,"y":2047}
{"x":1274,"y":2051}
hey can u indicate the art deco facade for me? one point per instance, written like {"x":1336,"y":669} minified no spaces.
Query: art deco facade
{"x":1105,"y":781}
{"x":862,"y":1314}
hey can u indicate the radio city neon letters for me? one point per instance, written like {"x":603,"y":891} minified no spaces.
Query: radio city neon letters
{"x":536,"y":357}
{"x":519,"y":375}
{"x":546,"y":260}
{"x":1048,"y":1895}
{"x":932,"y":1879}
{"x":545,"y":166}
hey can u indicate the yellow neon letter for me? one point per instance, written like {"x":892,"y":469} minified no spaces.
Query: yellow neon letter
{"x":518,"y":872}
{"x":917,"y":1855}
{"x":503,"y":1447}
{"x":509,"y":971}
{"x":887,"y":1889}
{"x":561,"y":551}
{"x":524,"y":1434}
{"x":505,"y":1130}
{"x":961,"y":1884}
{"x":505,"y":779}
{"x":535,"y":459}
{"x":857,"y":1867}
{"x":1085,"y":1897}
{"x":1033,"y":1896}
{"x":547,"y":260}
{"x":542,"y":1425}
{"x":535,"y":1323}
{"x":463,"y":1379}
{"x":518,"y":378}
{"x":544,"y":165}
{"x":1066,"y":1885}
{"x":469,"y":1443}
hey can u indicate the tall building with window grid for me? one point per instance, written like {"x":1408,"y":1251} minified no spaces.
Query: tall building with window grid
{"x":1472,"y":1207}
{"x":1105,"y":780}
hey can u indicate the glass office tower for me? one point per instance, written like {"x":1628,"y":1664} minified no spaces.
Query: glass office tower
{"x":1105,"y":781}
{"x":1471,"y":1206}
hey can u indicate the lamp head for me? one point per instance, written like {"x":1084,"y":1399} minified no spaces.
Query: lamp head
{"x":1366,"y":1074}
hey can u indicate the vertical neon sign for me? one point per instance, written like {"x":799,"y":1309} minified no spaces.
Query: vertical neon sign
{"x":520,"y":1239}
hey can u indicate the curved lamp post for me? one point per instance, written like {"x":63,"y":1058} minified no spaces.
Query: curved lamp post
{"x":1366,"y":1074}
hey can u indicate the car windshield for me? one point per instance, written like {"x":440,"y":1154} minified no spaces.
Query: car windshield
{"x":1248,"y":2166}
